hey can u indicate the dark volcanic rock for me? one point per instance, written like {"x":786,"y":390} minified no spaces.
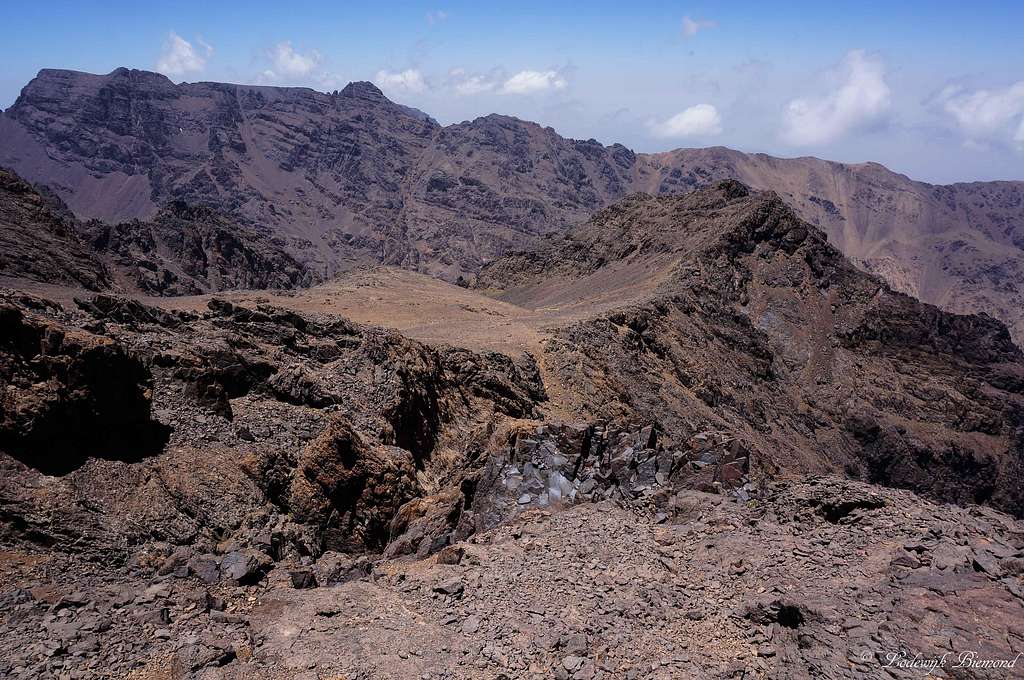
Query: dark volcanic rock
{"x":183,"y":250}
{"x":243,"y":567}
{"x":244,"y":462}
{"x":68,"y":394}
{"x":187,"y":250}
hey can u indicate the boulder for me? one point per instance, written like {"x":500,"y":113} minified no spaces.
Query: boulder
{"x":349,"y":489}
{"x":333,"y":568}
{"x":244,"y":567}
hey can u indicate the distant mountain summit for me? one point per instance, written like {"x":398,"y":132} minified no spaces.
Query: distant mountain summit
{"x":350,"y":177}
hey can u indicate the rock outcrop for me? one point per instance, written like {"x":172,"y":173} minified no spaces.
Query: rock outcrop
{"x":39,"y":242}
{"x":326,"y":424}
{"x":66,"y":394}
{"x":186,"y":250}
{"x":349,"y":489}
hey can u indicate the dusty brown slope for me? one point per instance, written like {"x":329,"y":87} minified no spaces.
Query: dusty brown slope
{"x":959,"y":246}
{"x":351,"y":177}
{"x":758,"y":326}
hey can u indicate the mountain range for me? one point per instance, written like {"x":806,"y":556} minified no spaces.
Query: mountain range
{"x":349,"y":177}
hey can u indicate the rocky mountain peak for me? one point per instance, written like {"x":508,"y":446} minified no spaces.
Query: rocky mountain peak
{"x":53,"y":87}
{"x":363,"y":89}
{"x":139,"y":76}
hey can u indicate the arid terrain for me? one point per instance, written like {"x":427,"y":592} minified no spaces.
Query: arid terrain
{"x":686,"y":438}
{"x":306,"y":385}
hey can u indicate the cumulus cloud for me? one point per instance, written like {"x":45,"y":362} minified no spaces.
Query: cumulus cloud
{"x":467,"y":84}
{"x":409,"y":80}
{"x":180,"y":56}
{"x":692,"y":27}
{"x":700,"y":120}
{"x":862,"y":98}
{"x":528,"y":82}
{"x":287,"y":61}
{"x":987,"y":115}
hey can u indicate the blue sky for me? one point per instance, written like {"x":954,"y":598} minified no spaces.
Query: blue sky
{"x":931,"y":89}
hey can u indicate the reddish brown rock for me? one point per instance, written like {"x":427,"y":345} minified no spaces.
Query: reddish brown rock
{"x":746,"y":321}
{"x":350,"y":490}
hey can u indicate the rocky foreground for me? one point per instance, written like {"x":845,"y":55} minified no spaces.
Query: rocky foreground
{"x":693,"y":469}
{"x":259,"y":494}
{"x":815,"y":579}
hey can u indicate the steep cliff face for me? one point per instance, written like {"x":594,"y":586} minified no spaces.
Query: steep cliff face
{"x":497,"y":183}
{"x":186,"y":250}
{"x":756,"y":325}
{"x":351,"y":177}
{"x":182,"y":250}
{"x":344,"y":177}
{"x":39,"y":243}
{"x":313,"y":166}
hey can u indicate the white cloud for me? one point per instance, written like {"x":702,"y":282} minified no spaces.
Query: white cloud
{"x":409,"y":80}
{"x":693,"y":26}
{"x":987,"y":115}
{"x":697,"y":121}
{"x":862,"y":98}
{"x":436,"y":17}
{"x":286,"y":61}
{"x":528,"y":82}
{"x":180,"y":57}
{"x":469,"y":84}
